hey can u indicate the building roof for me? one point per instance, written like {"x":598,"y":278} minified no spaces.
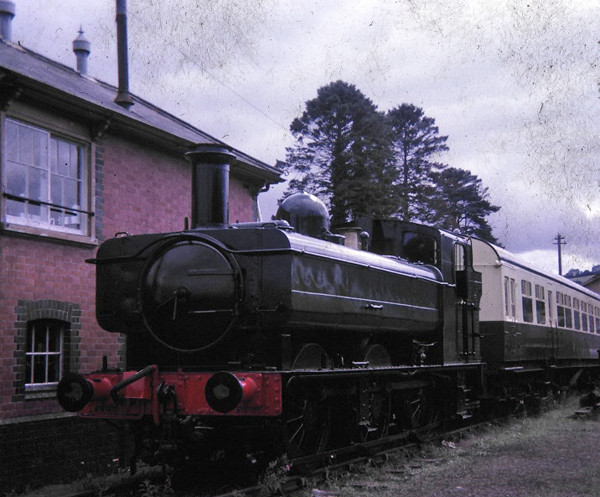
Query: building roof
{"x":585,"y":279}
{"x":30,"y":76}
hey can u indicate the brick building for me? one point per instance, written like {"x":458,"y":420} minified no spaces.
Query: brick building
{"x":76,"y":168}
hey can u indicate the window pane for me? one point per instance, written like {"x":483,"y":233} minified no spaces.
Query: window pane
{"x":63,"y":151}
{"x":70,"y":193}
{"x":73,"y":171}
{"x":53,"y":368}
{"x":39,"y":369}
{"x":56,"y":188}
{"x":37,"y":178}
{"x":561,"y":316}
{"x":40,"y":150}
{"x":16,"y":179}
{"x":39,"y":339}
{"x":54,"y":338}
{"x":26,"y":145}
{"x":44,"y":351}
{"x":12,"y":141}
{"x":57,"y":217}
{"x":540,"y":307}
{"x":527,"y":310}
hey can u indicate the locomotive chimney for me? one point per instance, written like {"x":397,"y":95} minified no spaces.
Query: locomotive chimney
{"x":210,"y":184}
{"x":123,"y":96}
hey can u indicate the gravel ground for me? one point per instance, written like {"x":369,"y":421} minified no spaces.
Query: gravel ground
{"x":552,"y":455}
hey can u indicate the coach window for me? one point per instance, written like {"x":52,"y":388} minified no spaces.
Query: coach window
{"x":510,"y":306}
{"x":46,"y":179}
{"x":576,"y":315}
{"x":584,"y":317}
{"x":550,"y":306}
{"x":527,"y":301}
{"x":591,"y":318}
{"x":568,"y":312}
{"x":540,"y":304}
{"x":560,"y":309}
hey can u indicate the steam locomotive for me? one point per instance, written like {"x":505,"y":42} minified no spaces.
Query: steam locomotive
{"x":284,"y":337}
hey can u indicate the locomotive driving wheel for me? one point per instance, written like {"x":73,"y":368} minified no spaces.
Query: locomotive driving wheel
{"x":376,"y":423}
{"x":418,"y":410}
{"x":374,"y":414}
{"x":307,"y":423}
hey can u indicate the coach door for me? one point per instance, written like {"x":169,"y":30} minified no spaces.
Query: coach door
{"x":468,"y":293}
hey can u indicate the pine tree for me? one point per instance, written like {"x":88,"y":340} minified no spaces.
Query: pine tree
{"x":342,"y":154}
{"x":416,"y":143}
{"x":461,"y":203}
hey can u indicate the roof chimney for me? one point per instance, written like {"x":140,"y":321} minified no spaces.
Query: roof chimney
{"x":82,"y":48}
{"x":7,"y":12}
{"x":123,"y":96}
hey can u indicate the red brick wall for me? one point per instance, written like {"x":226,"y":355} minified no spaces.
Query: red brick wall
{"x":139,"y":190}
{"x":33,"y":269}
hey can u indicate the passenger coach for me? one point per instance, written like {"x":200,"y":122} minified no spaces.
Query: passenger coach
{"x":531,"y":318}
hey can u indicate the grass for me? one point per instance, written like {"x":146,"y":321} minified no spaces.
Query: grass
{"x":552,"y":455}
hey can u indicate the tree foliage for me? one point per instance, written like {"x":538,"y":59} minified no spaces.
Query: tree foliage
{"x":363,"y":162}
{"x":461,"y":203}
{"x":416,"y":143}
{"x":341,"y":154}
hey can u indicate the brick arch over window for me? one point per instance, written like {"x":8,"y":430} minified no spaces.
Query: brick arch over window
{"x":28,"y":311}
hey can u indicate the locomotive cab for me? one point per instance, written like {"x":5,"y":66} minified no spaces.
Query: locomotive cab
{"x":452,"y":255}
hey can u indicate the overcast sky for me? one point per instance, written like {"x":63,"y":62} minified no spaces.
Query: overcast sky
{"x":514,"y":84}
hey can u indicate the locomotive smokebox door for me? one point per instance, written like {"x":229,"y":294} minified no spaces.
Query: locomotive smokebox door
{"x":190,"y":294}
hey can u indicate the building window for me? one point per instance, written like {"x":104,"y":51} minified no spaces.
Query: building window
{"x":46,"y":180}
{"x":48,"y":339}
{"x":527,"y":301}
{"x":45,"y":338}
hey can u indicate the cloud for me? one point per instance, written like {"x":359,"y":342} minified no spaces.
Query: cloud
{"x":513,"y":84}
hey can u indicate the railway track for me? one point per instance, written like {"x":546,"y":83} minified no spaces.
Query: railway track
{"x":312,"y":470}
{"x":285,"y":476}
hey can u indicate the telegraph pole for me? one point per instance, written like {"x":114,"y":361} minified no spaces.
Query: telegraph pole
{"x":560,"y":241}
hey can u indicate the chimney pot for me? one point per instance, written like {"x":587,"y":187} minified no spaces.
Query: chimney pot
{"x":123,"y":98}
{"x":7,"y":12}
{"x":82,"y":48}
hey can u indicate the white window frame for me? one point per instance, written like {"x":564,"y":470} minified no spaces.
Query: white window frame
{"x":34,"y":328}
{"x":78,"y":182}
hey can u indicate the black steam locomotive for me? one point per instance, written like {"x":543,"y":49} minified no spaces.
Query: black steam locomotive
{"x":283,"y":332}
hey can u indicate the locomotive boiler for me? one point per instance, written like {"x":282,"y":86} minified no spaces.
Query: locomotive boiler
{"x":279,"y":328}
